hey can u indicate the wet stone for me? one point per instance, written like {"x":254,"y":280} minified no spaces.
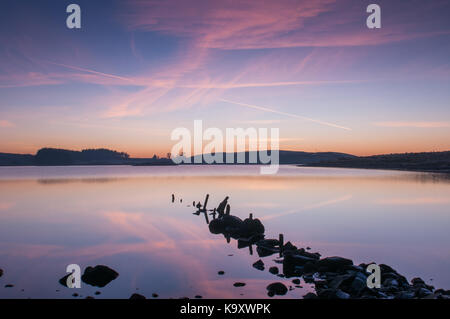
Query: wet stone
{"x":276,"y":288}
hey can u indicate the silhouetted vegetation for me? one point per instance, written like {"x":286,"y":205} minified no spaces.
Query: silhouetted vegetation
{"x":426,"y":161}
{"x":54,"y":156}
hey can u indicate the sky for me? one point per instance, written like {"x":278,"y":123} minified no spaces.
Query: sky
{"x":137,"y":70}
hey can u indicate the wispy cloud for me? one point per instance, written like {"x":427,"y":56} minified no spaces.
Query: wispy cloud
{"x":413,"y":124}
{"x":228,"y":24}
{"x":272,"y":110}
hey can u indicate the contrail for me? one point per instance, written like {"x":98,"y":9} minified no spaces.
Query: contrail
{"x":266,"y":109}
{"x":92,"y":71}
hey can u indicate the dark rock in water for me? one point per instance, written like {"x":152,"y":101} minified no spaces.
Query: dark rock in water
{"x":276,"y":288}
{"x":221,"y":272}
{"x":89,"y":297}
{"x":310,"y":295}
{"x":443,"y":292}
{"x":308,"y":248}
{"x":266,"y":251}
{"x":155,"y":295}
{"x":226,"y":223}
{"x":332,"y":294}
{"x":239,"y":284}
{"x":137,"y":296}
{"x":97,"y":292}
{"x":417,"y":282}
{"x":305,"y":253}
{"x":289,"y":247}
{"x":75,"y":294}
{"x":99,"y":276}
{"x":270,"y":243}
{"x":273,"y":270}
{"x":259,"y":265}
{"x":405,"y":295}
{"x":9,"y":285}
{"x":297,"y":265}
{"x":296,"y":281}
{"x":423,"y":292}
{"x":333,"y":264}
{"x":251,"y":227}
{"x":198,"y":297}
{"x":63,"y":280}
{"x":1,"y":272}
{"x":359,"y":283}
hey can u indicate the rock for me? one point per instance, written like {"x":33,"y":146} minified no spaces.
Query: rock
{"x":418,"y":282}
{"x":89,"y":297}
{"x":276,"y":288}
{"x":269,"y":243}
{"x":305,"y":253}
{"x":310,"y":295}
{"x":9,"y":285}
{"x":226,"y":223}
{"x":221,"y":272}
{"x":332,"y":294}
{"x":97,"y":292}
{"x":137,"y":296}
{"x":251,"y":227}
{"x":405,"y":295}
{"x":155,"y":295}
{"x":390,"y":282}
{"x":289,"y":247}
{"x":422,"y":293}
{"x":198,"y":297}
{"x":75,"y":294}
{"x":359,"y":283}
{"x":333,"y":264}
{"x":342,"y":295}
{"x":296,"y":281}
{"x":273,"y":270}
{"x":239,"y":284}
{"x":1,"y":272}
{"x":266,"y":251}
{"x":99,"y":276}
{"x":259,"y":265}
{"x":297,"y":264}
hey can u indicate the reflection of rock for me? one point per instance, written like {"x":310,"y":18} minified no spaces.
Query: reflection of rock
{"x":99,"y":276}
{"x":276,"y":288}
{"x":137,"y":296}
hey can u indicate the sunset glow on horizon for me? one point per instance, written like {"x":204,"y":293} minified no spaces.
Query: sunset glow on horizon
{"x":136,"y":70}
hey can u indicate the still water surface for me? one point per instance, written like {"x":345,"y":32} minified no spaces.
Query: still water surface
{"x":123,"y":217}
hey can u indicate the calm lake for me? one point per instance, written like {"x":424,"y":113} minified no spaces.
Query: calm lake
{"x":123,"y":217}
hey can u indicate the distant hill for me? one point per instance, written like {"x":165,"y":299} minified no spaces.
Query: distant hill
{"x":427,"y":161}
{"x":285,"y":157}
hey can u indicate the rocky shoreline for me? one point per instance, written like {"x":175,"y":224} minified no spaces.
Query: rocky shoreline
{"x":333,"y":277}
